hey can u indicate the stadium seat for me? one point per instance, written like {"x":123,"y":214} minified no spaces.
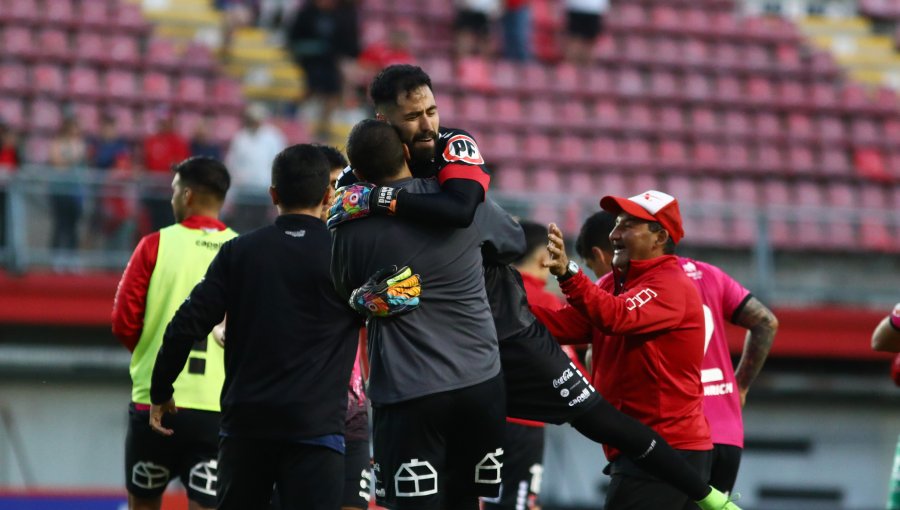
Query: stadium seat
{"x":119,"y":85}
{"x":704,"y":121}
{"x":62,"y":14}
{"x":800,"y":160}
{"x":737,"y":157}
{"x":12,"y":111}
{"x":83,"y":83}
{"x":697,"y":88}
{"x":672,"y":155}
{"x":670,"y":120}
{"x":53,"y":44}
{"x":706,"y":156}
{"x":639,"y":117}
{"x":681,"y":187}
{"x":161,"y":54}
{"x":21,"y":12}
{"x":127,"y":17}
{"x":799,"y":126}
{"x":726,"y":56}
{"x":605,"y":114}
{"x":94,"y":15}
{"x":776,"y":193}
{"x":13,"y":78}
{"x":742,"y":191}
{"x":768,"y":126}
{"x":768,"y":159}
{"x":45,"y":116}
{"x":863,"y":130}
{"x":574,"y":113}
{"x":630,"y":83}
{"x":191,"y":90}
{"x":599,"y":81}
{"x":533,"y":79}
{"x":123,"y":50}
{"x":614,"y":183}
{"x":538,"y":149}
{"x":37,"y":149}
{"x":636,"y":49}
{"x":17,"y":42}
{"x":791,"y":94}
{"x":728,"y":89}
{"x":737,"y":123}
{"x":759,"y":90}
{"x":198,"y":58}
{"x":637,"y":152}
{"x":755,"y":57}
{"x":663,"y":85}
{"x":547,"y":180}
{"x":572,"y":150}
{"x":226,"y":94}
{"x":787,"y":56}
{"x":695,"y":51}
{"x":156,"y":87}
{"x":605,"y":151}
{"x":474,"y":108}
{"x":539,"y":111}
{"x":834,"y":162}
{"x":665,"y":51}
{"x":501,"y":145}
{"x":92,"y":47}
{"x":88,"y":115}
{"x":875,"y":235}
{"x":47,"y":79}
{"x":831,"y":129}
{"x":511,"y":178}
{"x":126,"y":120}
{"x":566,"y":79}
{"x":824,"y":96}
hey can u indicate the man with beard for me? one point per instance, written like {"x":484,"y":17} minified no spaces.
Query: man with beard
{"x":541,"y":382}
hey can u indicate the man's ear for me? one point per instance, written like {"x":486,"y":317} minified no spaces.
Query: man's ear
{"x":406,"y":154}
{"x":274,"y":194}
{"x":600,"y":254}
{"x":662,"y":236}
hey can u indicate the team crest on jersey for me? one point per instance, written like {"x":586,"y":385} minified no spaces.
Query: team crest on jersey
{"x":462,"y":148}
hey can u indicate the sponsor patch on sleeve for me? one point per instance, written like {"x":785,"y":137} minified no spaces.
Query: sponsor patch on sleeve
{"x":462,"y":149}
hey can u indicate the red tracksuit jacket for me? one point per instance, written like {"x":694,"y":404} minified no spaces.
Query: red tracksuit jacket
{"x":648,"y":340}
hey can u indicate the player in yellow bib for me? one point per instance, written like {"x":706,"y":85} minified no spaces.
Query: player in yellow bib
{"x":163,"y":269}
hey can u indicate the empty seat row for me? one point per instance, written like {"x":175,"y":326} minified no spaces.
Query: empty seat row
{"x":119,"y":16}
{"x":120,"y":85}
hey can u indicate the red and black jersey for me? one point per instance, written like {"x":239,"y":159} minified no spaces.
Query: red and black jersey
{"x":456,"y":156}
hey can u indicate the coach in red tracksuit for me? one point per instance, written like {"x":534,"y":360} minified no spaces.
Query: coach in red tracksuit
{"x":645,"y":320}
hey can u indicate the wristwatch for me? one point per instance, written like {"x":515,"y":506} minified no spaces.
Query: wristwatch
{"x":571,"y":270}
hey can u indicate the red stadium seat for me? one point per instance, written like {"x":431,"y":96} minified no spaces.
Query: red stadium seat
{"x":639,"y":117}
{"x":711,"y":189}
{"x":703,"y":121}
{"x":853,"y":97}
{"x":161,"y":54}
{"x":637,"y":49}
{"x":17,"y":42}
{"x":768,"y":126}
{"x":613,"y":183}
{"x":574,"y":113}
{"x":119,"y":85}
{"x":788,"y":57}
{"x":776,"y":193}
{"x":226,"y":93}
{"x":47,"y":79}
{"x":547,"y":180}
{"x":224,"y":127}
{"x":875,"y":235}
{"x":728,"y":89}
{"x":606,"y":114}
{"x":83,"y":83}
{"x":474,"y":107}
{"x":126,"y":121}
{"x":768,"y":159}
{"x":605,"y":151}
{"x":533,"y":79}
{"x":61,"y":14}
{"x":670,"y":119}
{"x":672,"y":155}
{"x":502,"y":146}
{"x":511,"y":178}
{"x":759,"y":90}
{"x":566,"y":79}
{"x":680,"y":187}
{"x":53,"y":44}
{"x":572,"y":150}
{"x":755,"y":57}
{"x":864,"y":130}
{"x":44,"y":116}
{"x":599,"y":81}
{"x":88,"y":115}
{"x":835,"y":162}
{"x":506,"y":110}
{"x":737,"y":157}
{"x":638,"y":152}
{"x":695,"y":51}
{"x":737,"y":123}
{"x":580,"y":183}
{"x":21,"y":12}
{"x":799,"y":126}
{"x":156,"y":87}
{"x":191,"y":90}
{"x":123,"y":50}
{"x":630,"y":83}
{"x":824,"y":96}
{"x":831,"y":129}
{"x":726,"y":55}
{"x":540,"y":112}
{"x":697,"y":88}
{"x":94,"y":14}
{"x":801,"y":160}
{"x":665,"y":17}
{"x":12,"y":112}
{"x":539,"y":149}
{"x":127,"y":17}
{"x":706,"y":156}
{"x":791,"y":94}
{"x":663,"y":85}
{"x":645,"y":181}
{"x":37,"y":149}
{"x":667,"y":51}
{"x":92,"y":47}
{"x":198,"y":58}
{"x":13,"y":78}
{"x":808,"y":226}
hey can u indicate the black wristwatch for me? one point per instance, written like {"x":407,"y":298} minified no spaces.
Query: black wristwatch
{"x":571,"y":270}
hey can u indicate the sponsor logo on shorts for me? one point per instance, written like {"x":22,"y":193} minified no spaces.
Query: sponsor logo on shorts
{"x":564,"y":393}
{"x":148,"y":475}
{"x":203,"y":477}
{"x":415,"y":478}
{"x":365,"y":485}
{"x":566,"y":375}
{"x":379,"y":482}
{"x":488,"y":469}
{"x":585,"y":393}
{"x":462,"y":148}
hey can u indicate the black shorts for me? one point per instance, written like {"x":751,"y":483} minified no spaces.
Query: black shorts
{"x":725,"y":464}
{"x":357,"y":475}
{"x":523,"y":455}
{"x":439,"y":450}
{"x":472,"y":21}
{"x":542,"y":383}
{"x":632,"y":487}
{"x":152,"y":460}
{"x":583,"y":25}
{"x":256,"y":473}
{"x":322,"y":77}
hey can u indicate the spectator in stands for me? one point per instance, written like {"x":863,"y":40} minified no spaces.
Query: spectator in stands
{"x":584,"y":21}
{"x":323,"y":37}
{"x":202,"y":145}
{"x":162,"y":151}
{"x":9,"y":162}
{"x":249,"y":159}
{"x":473,"y":23}
{"x":68,"y":152}
{"x":235,"y":14}
{"x":107,"y":149}
{"x":516,"y":22}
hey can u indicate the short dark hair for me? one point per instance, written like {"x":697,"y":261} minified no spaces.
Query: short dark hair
{"x":205,"y":174}
{"x":300,"y":176}
{"x":392,"y":80}
{"x":335,"y":158}
{"x":669,"y":248}
{"x":595,"y":232}
{"x":375,"y":150}
{"x":535,"y":239}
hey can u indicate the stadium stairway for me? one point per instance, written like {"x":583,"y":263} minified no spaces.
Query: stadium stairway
{"x":868,"y":58}
{"x":265,"y":70}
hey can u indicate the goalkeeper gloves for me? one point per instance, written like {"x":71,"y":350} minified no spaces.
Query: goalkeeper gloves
{"x":388,"y":292}
{"x":360,"y":200}
{"x":717,"y":500}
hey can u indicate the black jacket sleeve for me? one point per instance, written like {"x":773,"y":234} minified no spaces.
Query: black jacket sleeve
{"x":195,"y":318}
{"x":454,"y":206}
{"x":503,"y":238}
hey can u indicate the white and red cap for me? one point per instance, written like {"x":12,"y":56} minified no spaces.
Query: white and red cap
{"x":650,"y":205}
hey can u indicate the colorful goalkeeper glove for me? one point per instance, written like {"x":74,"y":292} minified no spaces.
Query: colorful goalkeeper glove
{"x":360,"y":200}
{"x":388,"y":292}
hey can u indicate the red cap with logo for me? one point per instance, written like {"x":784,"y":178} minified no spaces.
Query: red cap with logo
{"x":650,"y":205}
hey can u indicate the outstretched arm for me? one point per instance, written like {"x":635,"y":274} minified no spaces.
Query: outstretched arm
{"x":761,"y":325}
{"x":886,"y":336}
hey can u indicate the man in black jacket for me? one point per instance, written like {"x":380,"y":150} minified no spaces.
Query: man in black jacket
{"x":290,"y":346}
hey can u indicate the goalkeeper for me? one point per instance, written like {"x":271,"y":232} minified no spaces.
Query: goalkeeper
{"x":437,"y":393}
